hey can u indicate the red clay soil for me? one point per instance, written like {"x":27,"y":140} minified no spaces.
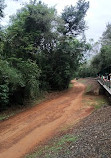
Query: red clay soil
{"x":23,"y":132}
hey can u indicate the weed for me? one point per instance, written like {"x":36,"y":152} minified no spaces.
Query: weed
{"x":5,"y":116}
{"x":65,"y":139}
{"x":100,"y":102}
{"x":95,"y":101}
{"x":17,"y":109}
{"x":71,"y":85}
{"x":82,"y":80}
{"x":54,"y":146}
{"x":88,"y":88}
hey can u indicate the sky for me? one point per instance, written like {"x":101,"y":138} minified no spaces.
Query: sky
{"x":98,"y":15}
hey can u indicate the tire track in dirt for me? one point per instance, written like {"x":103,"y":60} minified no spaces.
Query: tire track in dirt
{"x":21,"y":133}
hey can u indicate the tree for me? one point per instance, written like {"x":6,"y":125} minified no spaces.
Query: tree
{"x":73,"y":17}
{"x":2,"y":6}
{"x":10,"y":79}
{"x":36,"y":52}
{"x":59,"y":65}
{"x":103,"y":59}
{"x":30,"y":76}
{"x":30,"y":30}
{"x":106,"y":36}
{"x":19,"y":80}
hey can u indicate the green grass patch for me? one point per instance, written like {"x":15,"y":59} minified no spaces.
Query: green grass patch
{"x":100,"y":102}
{"x":71,"y":85}
{"x":95,"y":101}
{"x":82,"y":81}
{"x":65,"y":139}
{"x":53,"y":147}
{"x":88,"y":88}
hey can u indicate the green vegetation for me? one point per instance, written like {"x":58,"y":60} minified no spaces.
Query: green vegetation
{"x":15,"y":109}
{"x":91,"y":95}
{"x":88,"y":89}
{"x":102,"y":58}
{"x":54,"y":147}
{"x":100,"y":102}
{"x":39,"y":50}
{"x":5,"y":116}
{"x":82,"y":81}
{"x":95,"y":101}
{"x":70,"y":85}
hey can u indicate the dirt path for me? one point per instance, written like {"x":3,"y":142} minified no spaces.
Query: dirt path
{"x":21,"y":133}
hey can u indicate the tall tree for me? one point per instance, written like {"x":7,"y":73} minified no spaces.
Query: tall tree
{"x":30,"y":30}
{"x":102,"y":59}
{"x":74,"y":18}
{"x":106,"y":36}
{"x":2,"y":6}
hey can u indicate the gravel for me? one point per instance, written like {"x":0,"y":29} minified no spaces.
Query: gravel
{"x":93,"y":137}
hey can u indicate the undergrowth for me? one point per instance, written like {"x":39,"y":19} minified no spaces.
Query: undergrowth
{"x":13,"y":110}
{"x":53,"y":147}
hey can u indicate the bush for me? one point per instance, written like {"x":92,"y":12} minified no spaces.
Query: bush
{"x":30,"y":75}
{"x":4,"y":96}
{"x":18,"y":80}
{"x":10,"y":79}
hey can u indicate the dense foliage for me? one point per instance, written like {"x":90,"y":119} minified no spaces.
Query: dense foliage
{"x":73,"y":17}
{"x":39,"y":50}
{"x":102,"y":59}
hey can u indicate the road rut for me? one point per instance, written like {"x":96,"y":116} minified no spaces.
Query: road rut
{"x":23,"y":132}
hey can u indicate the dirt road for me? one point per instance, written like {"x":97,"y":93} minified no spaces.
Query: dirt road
{"x":21,"y":133}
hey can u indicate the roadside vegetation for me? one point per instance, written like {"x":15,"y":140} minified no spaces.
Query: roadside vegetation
{"x":63,"y":144}
{"x":101,"y":56}
{"x":92,"y":95}
{"x":39,"y":50}
{"x":54,"y":146}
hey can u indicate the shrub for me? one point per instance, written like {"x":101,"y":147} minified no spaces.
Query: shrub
{"x":30,"y":75}
{"x":10,"y":79}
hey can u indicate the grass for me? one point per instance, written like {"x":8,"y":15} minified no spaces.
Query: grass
{"x":11,"y":111}
{"x":58,"y":145}
{"x":95,"y":101}
{"x":90,"y":97}
{"x":100,"y":102}
{"x":5,"y":116}
{"x":82,"y":80}
{"x":71,"y":85}
{"x":89,"y":83}
{"x":53,"y":147}
{"x":88,"y":88}
{"x":65,"y":139}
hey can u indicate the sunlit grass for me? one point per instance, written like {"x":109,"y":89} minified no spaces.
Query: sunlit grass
{"x":95,"y":101}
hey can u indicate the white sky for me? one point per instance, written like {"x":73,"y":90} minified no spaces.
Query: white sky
{"x":98,"y":15}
